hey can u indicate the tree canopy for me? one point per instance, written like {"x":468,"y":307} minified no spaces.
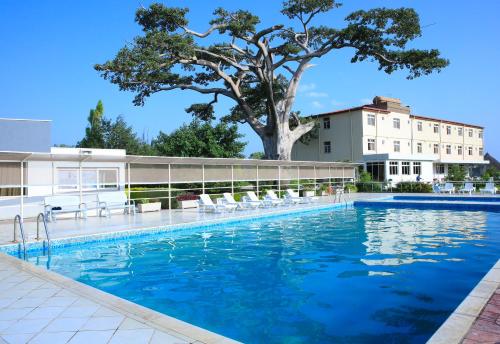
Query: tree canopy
{"x":259,"y":67}
{"x":201,"y":139}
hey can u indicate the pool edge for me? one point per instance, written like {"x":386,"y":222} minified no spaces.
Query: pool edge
{"x":458,"y":324}
{"x":130,"y":309}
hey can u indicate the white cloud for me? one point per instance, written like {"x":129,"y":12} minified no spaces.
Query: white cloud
{"x":307,"y":87}
{"x":317,"y":94}
{"x":317,"y":104}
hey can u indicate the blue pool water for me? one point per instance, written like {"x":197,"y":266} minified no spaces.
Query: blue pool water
{"x":357,"y":275}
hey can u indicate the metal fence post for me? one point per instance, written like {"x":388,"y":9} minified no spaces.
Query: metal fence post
{"x":315,"y":180}
{"x":169,"y":188}
{"x":298,"y":178}
{"x":203,"y":178}
{"x":128,"y":181}
{"x":257,"y":181}
{"x":22,"y":190}
{"x":279,"y":180}
{"x":232,"y":180}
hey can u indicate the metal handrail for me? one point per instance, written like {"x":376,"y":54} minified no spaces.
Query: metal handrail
{"x":18,"y":220}
{"x":42,"y":217}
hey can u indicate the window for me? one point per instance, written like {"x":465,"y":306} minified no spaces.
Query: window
{"x":92,"y":179}
{"x":480,"y":151}
{"x":377,"y":170}
{"x":439,"y":168}
{"x":460,"y":131}
{"x":371,"y":144}
{"x":396,"y":123}
{"x":327,"y":147}
{"x":459,"y":150}
{"x":470,"y":150}
{"x":419,"y":147}
{"x":326,"y":123}
{"x":371,"y":119}
{"x":419,"y":126}
{"x":397,"y":146}
{"x":405,"y":167}
{"x":436,"y":148}
{"x":417,"y":167}
{"x":480,"y":134}
{"x":436,"y":128}
{"x":448,"y":149}
{"x":393,"y":168}
{"x":448,"y":130}
{"x":471,"y":132}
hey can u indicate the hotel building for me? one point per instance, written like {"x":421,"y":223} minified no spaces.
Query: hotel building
{"x":393,"y":144}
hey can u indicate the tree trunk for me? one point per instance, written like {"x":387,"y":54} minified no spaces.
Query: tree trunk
{"x":279,"y":144}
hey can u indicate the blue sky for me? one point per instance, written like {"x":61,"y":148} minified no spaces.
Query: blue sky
{"x":49,"y":49}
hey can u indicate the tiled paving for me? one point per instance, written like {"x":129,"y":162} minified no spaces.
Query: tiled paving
{"x":38,"y":306}
{"x":486,"y":328}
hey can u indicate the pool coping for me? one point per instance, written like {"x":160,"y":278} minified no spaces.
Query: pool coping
{"x":458,"y":324}
{"x":149,"y":230}
{"x":127,"y":308}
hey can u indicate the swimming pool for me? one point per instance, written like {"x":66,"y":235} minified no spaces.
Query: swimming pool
{"x":353,"y":275}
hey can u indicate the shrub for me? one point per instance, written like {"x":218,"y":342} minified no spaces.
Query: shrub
{"x":369,"y":187}
{"x":350,"y":188}
{"x":413,"y":187}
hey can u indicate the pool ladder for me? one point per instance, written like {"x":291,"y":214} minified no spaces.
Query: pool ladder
{"x":19,"y":225}
{"x":340,"y":197}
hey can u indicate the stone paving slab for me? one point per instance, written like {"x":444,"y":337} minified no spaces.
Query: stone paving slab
{"x":39,"y":306}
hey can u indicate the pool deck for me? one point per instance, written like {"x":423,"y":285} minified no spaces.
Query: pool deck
{"x":40,"y":306}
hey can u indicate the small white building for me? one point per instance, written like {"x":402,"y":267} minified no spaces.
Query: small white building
{"x":393,"y":144}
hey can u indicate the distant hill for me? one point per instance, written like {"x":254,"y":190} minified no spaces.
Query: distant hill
{"x":493,"y":162}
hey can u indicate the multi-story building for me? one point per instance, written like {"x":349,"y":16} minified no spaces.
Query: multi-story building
{"x":393,"y":144}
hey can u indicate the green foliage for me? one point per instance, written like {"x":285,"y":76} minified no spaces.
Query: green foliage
{"x":491,"y":173}
{"x":257,"y":155}
{"x":201,"y":139}
{"x":351,"y":188}
{"x":456,"y":173}
{"x":369,"y":187}
{"x":413,"y":187}
{"x":365,"y":177}
{"x":259,"y":69}
{"x":105,"y":133}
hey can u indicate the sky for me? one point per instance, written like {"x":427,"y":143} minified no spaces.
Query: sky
{"x":49,"y":48}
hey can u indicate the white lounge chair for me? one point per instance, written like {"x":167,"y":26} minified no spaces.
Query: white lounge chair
{"x":62,"y":204}
{"x":207,"y":205}
{"x":294,"y":197}
{"x":436,"y":188}
{"x":229,"y":199}
{"x":448,"y":188}
{"x":468,"y":188}
{"x":252,"y":197}
{"x":114,"y":200}
{"x":489,"y":188}
{"x":273,"y":198}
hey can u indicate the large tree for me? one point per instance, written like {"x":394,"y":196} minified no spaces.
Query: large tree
{"x":260,"y":68}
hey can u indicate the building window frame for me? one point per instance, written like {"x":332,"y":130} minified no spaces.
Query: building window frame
{"x":419,"y":126}
{"x":436,"y":148}
{"x":436,"y":128}
{"x":481,"y":151}
{"x":370,"y":119}
{"x":448,"y":130}
{"x":393,"y":168}
{"x":396,"y":123}
{"x":397,"y":146}
{"x":469,"y":150}
{"x":459,"y":150}
{"x":419,"y":147}
{"x":327,"y":147}
{"x":471,"y":133}
{"x":371,"y":144}
{"x":448,"y":149}
{"x":405,"y":168}
{"x":417,"y":168}
{"x":480,"y":134}
{"x":439,"y":168}
{"x":326,"y":123}
{"x":460,"y":131}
